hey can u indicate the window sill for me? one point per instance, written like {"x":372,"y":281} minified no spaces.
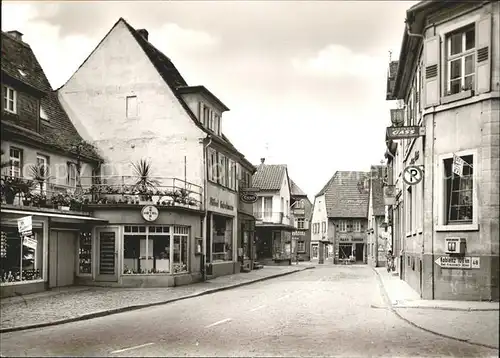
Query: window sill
{"x":450,"y":228}
{"x":457,"y":97}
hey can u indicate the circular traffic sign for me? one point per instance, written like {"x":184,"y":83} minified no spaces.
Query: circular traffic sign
{"x":412,"y":175}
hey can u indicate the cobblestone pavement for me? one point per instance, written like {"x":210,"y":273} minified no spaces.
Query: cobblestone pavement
{"x":328,"y":311}
{"x":77,"y":301}
{"x":475,"y":322}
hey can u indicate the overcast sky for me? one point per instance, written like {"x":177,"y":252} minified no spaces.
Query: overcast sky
{"x":305,"y":81}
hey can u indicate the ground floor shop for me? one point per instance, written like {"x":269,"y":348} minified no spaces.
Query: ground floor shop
{"x":44,"y":258}
{"x":134,"y":249}
{"x":350,"y":250}
{"x":274,"y":244}
{"x":321,"y":250}
{"x":246,"y":241}
{"x":301,"y":245}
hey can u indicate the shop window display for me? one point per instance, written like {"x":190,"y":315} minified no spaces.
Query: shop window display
{"x":20,"y":259}
{"x":155,"y":249}
{"x":222,"y":238}
{"x":85,"y":253}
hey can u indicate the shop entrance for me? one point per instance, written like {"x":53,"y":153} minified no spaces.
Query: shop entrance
{"x":107,"y":256}
{"x":359,"y":252}
{"x":345,"y":251}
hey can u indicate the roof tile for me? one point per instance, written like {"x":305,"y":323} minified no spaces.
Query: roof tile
{"x":269,"y":176}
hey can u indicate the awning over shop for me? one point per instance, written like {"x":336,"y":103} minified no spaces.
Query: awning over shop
{"x":56,"y":217}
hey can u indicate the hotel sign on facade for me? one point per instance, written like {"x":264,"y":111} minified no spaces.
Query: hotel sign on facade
{"x":221,"y":200}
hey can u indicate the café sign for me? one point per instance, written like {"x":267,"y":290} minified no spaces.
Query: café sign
{"x":220,"y":204}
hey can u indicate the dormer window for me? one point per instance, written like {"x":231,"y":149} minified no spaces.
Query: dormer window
{"x":43,"y":115}
{"x":22,"y":73}
{"x":206,"y":116}
{"x":9,"y":99}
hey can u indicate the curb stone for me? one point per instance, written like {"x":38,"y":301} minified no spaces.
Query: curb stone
{"x":395,"y":308}
{"x":146,"y":305}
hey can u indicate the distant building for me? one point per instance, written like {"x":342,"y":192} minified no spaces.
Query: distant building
{"x":339,"y":219}
{"x":446,"y":225}
{"x":301,"y":210}
{"x":274,"y":224}
{"x":378,"y":237}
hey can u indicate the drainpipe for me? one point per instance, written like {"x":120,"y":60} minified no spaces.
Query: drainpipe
{"x":205,"y":218}
{"x":412,"y":34}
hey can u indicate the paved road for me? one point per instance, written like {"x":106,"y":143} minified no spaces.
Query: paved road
{"x":328,"y":311}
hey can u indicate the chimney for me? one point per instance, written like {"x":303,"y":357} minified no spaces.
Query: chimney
{"x":262,"y":160}
{"x":143,"y":32}
{"x":16,"y":34}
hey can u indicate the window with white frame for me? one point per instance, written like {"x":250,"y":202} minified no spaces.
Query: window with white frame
{"x":132,"y":107}
{"x":72,"y":175}
{"x":217,"y":124}
{"x":155,"y":249}
{"x":42,"y":163}
{"x":211,"y":121}
{"x":16,"y":162}
{"x":301,"y":246}
{"x":356,"y":225}
{"x":9,"y":99}
{"x":206,"y":116}
{"x":342,"y":225}
{"x":212,"y":165}
{"x":459,"y":192}
{"x":460,"y":46}
{"x":300,"y":223}
{"x":323,"y":227}
{"x":222,"y":175}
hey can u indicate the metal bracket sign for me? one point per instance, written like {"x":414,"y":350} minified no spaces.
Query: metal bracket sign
{"x":458,"y":262}
{"x":412,"y":175}
{"x":405,"y":132}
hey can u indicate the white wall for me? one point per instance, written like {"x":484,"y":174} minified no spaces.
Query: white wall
{"x":95,"y":99}
{"x":319,"y":216}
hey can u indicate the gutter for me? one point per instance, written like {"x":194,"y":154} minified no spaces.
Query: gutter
{"x":205,"y":217}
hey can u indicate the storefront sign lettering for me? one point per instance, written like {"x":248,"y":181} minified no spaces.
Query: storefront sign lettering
{"x":298,"y":233}
{"x":220,"y":204}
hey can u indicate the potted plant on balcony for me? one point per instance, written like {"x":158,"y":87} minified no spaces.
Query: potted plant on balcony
{"x":61,"y":200}
{"x":40,"y":174}
{"x":38,"y":200}
{"x":11,"y":187}
{"x":145,"y":184}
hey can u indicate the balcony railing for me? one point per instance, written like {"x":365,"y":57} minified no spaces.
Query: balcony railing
{"x":111,"y":190}
{"x":271,"y":217}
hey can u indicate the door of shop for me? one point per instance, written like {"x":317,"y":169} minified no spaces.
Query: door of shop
{"x":107,"y":254}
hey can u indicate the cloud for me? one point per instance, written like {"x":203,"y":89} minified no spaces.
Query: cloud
{"x":174,"y":37}
{"x":337,"y":61}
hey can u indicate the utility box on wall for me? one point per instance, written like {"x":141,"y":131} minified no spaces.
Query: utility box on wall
{"x":455,"y":245}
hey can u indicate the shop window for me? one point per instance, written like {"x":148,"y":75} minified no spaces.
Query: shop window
{"x":20,"y":260}
{"x":222,"y":238}
{"x":281,"y":245}
{"x":314,"y":249}
{"x":301,"y":246}
{"x":155,"y":249}
{"x":85,"y":253}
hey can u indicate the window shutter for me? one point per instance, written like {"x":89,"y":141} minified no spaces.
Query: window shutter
{"x":483,"y":54}
{"x":432,"y":71}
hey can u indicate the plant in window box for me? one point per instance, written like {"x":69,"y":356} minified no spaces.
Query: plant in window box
{"x":61,"y":200}
{"x":192,"y":202}
{"x":76,"y":202}
{"x":39,"y":200}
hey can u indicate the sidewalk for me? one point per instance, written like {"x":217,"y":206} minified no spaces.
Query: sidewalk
{"x":470,"y":321}
{"x":78,"y":303}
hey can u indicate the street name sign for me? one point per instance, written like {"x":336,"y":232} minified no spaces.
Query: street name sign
{"x":459,"y":262}
{"x":405,"y":132}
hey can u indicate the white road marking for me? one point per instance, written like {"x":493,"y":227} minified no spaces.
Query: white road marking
{"x":129,"y":349}
{"x":282,"y":298}
{"x":257,"y":308}
{"x":218,"y":322}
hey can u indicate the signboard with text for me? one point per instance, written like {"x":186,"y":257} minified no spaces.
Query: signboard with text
{"x":458,"y":262}
{"x":25,"y":225}
{"x":405,"y":132}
